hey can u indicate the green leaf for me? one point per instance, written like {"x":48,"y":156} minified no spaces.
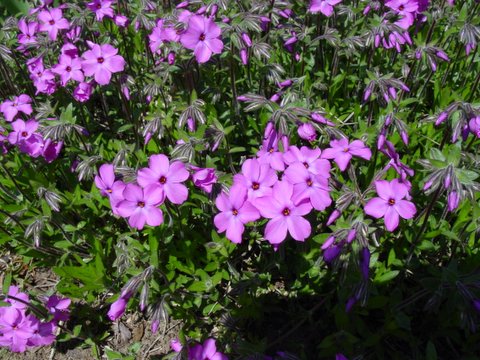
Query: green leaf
{"x":386,"y":277}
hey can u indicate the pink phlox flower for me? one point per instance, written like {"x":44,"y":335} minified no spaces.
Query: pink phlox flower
{"x":390,"y":204}
{"x":28,"y":32}
{"x":204,"y":178}
{"x":203,"y":37}
{"x":116,"y":196}
{"x":70,"y":50}
{"x":74,"y":34}
{"x":51,"y":21}
{"x":269,"y":152}
{"x":474,"y":126}
{"x":15,"y":291}
{"x":15,"y":328}
{"x":309,"y":158}
{"x":101,"y":8}
{"x":51,"y":150}
{"x":395,"y":162}
{"x":22,"y":131}
{"x":167,"y":176}
{"x":207,"y":351}
{"x":101,"y":61}
{"x":105,"y":179}
{"x":33,"y":146}
{"x":342,"y":152}
{"x":10,"y":108}
{"x":140,"y":206}
{"x":258,"y":178}
{"x":306,"y":131}
{"x":43,"y":79}
{"x":69,"y":68}
{"x":83,"y":91}
{"x":58,"y":307}
{"x":43,"y":333}
{"x":308,"y":186}
{"x":236,"y":211}
{"x":323,"y":6}
{"x":285,"y":214}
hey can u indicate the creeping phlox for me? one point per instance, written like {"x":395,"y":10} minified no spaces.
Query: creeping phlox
{"x":21,"y":329}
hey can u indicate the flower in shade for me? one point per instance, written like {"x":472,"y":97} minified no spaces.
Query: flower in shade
{"x":257,"y":178}
{"x":10,"y":108}
{"x":101,"y":8}
{"x":51,"y":21}
{"x":236,"y":211}
{"x":140,"y":205}
{"x":101,"y":61}
{"x":117,"y":308}
{"x":51,"y":150}
{"x":207,"y":351}
{"x":285,"y":214}
{"x":22,"y":301}
{"x":167,"y":176}
{"x":390,"y":204}
{"x":341,"y":151}
{"x":204,"y":178}
{"x":323,"y":6}
{"x":83,"y":91}
{"x":202,"y":36}
{"x":69,"y":68}
{"x":474,"y":126}
{"x":58,"y":307}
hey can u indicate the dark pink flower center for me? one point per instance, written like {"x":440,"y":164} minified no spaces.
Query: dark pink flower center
{"x":255,"y":186}
{"x":109,"y":191}
{"x":51,"y":22}
{"x":68,"y":68}
{"x":235,"y":212}
{"x":401,"y":7}
{"x":345,"y":149}
{"x":24,"y":133}
{"x":391,"y":202}
{"x":306,"y":165}
{"x":202,"y":37}
{"x":141,"y":204}
{"x":162,"y":180}
{"x":100,"y":60}
{"x":286,"y":212}
{"x":309,"y":182}
{"x":99,"y":6}
{"x":271,"y":151}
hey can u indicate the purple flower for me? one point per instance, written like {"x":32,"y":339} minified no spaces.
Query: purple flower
{"x":310,"y":158}
{"x":10,"y":108}
{"x":323,"y":6}
{"x":269,"y":154}
{"x":58,"y":307}
{"x":202,"y":36}
{"x":453,"y":200}
{"x":285,"y":214}
{"x":314,"y":188}
{"x":16,"y":328}
{"x":101,"y":62}
{"x":168,"y":177}
{"x":105,"y":179}
{"x":22,"y":131}
{"x":101,"y":8}
{"x":140,"y":205}
{"x":258,"y":178}
{"x":364,"y":262}
{"x":117,"y":308}
{"x":235,"y":212}
{"x":15,"y":292}
{"x":390,"y":204}
{"x":28,"y":32}
{"x":204,"y":178}
{"x":51,"y":21}
{"x":69,"y":68}
{"x":307,"y":132}
{"x":474,"y":126}
{"x":341,"y":151}
{"x":207,"y":351}
{"x":83,"y":91}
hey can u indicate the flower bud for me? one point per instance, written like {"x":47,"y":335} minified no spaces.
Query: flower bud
{"x":333,"y":217}
{"x":117,"y":308}
{"x":307,"y":132}
{"x":246,"y":39}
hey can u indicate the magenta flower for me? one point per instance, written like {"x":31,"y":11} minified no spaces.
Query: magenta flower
{"x":257,"y":178}
{"x":101,"y":8}
{"x":101,"y":62}
{"x":43,"y":333}
{"x":116,"y":196}
{"x":22,"y":131}
{"x":236,"y":211}
{"x":51,"y":150}
{"x":341,"y":151}
{"x":323,"y":6}
{"x":15,"y":292}
{"x":269,"y":154}
{"x":207,"y":351}
{"x":390,"y":204}
{"x":69,"y":68}
{"x":105,"y":179}
{"x":308,"y":186}
{"x":474,"y":126}
{"x":117,"y":308}
{"x":58,"y":307}
{"x":51,"y":21}
{"x":28,"y":32}
{"x":140,"y":205}
{"x":204,"y":178}
{"x":10,"y":108}
{"x":83,"y":92}
{"x":307,"y":132}
{"x":15,"y":328}
{"x":310,"y":158}
{"x":202,"y":36}
{"x":168,"y":177}
{"x":285,"y":214}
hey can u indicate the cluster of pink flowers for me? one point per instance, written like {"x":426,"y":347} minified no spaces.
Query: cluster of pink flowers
{"x":197,"y":32}
{"x":21,"y":330}
{"x":323,"y":6}
{"x":162,"y":179}
{"x":259,"y":192}
{"x":99,"y":63}
{"x":24,"y":134}
{"x":206,"y":351}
